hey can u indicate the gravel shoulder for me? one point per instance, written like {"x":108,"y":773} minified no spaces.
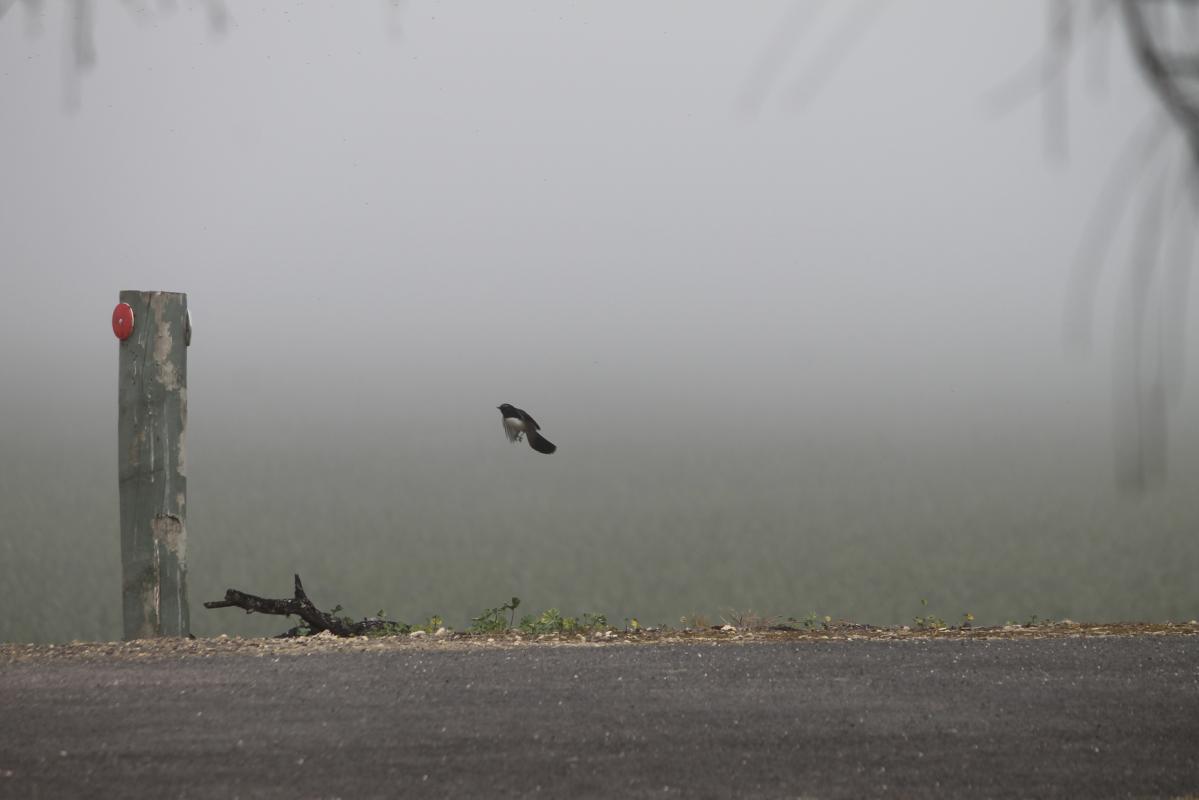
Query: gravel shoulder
{"x":325,"y":642}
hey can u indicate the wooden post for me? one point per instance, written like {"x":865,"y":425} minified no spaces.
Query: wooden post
{"x":152,"y":431}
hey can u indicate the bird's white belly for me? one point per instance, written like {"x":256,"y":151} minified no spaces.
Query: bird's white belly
{"x":514,"y":424}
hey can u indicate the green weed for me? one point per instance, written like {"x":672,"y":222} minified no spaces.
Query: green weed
{"x":810,"y":622}
{"x":551,"y":621}
{"x":495,"y":620}
{"x":748,"y":620}
{"x":929,"y":621}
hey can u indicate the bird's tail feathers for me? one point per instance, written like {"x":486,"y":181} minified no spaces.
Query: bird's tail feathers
{"x":539,"y":442}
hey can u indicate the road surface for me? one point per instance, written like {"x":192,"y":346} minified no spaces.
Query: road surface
{"x":1054,"y":717}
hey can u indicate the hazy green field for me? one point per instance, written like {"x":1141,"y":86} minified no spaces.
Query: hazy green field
{"x":999,"y":527}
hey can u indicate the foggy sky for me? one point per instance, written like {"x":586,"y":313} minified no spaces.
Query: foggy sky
{"x":388,"y":224}
{"x":463,"y":206}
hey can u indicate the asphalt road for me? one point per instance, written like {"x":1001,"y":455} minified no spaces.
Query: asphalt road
{"x":1084,"y":717}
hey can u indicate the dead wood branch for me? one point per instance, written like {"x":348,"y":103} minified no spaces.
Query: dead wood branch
{"x":315,"y":619}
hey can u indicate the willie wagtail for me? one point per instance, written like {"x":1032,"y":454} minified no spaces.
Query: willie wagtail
{"x":517,"y":422}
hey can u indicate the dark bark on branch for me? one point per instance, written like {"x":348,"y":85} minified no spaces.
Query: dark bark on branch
{"x":302,"y":607}
{"x":1162,"y":71}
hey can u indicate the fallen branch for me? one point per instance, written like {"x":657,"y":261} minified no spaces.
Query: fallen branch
{"x":315,"y":619}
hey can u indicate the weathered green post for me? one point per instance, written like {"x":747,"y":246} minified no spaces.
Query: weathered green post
{"x":154,"y":330}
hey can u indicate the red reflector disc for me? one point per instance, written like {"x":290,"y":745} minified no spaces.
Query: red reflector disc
{"x":122,"y":321}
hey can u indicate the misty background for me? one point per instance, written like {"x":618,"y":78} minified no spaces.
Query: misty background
{"x":801,"y":354}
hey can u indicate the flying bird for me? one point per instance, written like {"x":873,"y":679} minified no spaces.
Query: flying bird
{"x":517,"y":422}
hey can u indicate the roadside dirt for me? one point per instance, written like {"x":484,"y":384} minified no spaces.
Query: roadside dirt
{"x":327,"y":643}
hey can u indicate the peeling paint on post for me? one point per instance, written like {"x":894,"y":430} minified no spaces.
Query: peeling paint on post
{"x":152,"y":432}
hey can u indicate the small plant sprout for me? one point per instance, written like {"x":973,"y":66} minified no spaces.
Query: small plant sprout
{"x":502,"y":619}
{"x":551,"y":622}
{"x":928,"y":621}
{"x":810,"y":622}
{"x":492,"y":620}
{"x":431,"y":625}
{"x":748,"y":620}
{"x":390,"y":629}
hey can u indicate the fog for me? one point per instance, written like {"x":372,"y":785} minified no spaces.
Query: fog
{"x":795,"y":321}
